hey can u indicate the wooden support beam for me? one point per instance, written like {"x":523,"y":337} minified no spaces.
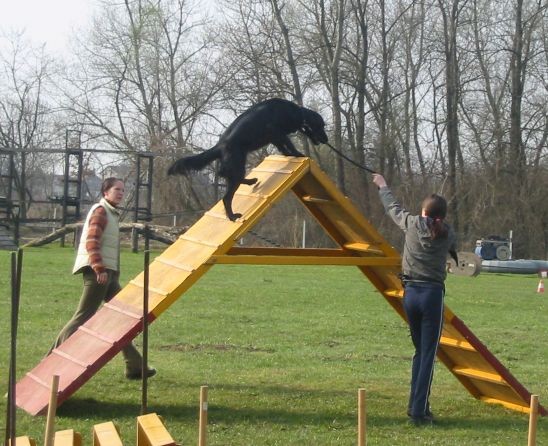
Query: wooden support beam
{"x":302,"y":260}
{"x":478,"y":374}
{"x":305,"y":252}
{"x":363,"y":247}
{"x":317,"y":200}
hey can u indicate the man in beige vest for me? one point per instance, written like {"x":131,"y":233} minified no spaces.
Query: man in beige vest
{"x":98,"y":259}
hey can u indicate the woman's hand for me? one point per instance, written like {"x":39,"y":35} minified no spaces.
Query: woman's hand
{"x":102,"y":278}
{"x":379,"y":180}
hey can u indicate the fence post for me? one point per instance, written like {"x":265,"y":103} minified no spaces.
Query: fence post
{"x":202,"y":439}
{"x":361,"y":417}
{"x":533,"y":415}
{"x":52,"y":408}
{"x":144,"y":363}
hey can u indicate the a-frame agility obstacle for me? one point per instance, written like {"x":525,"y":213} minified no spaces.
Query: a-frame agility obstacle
{"x":212,"y":241}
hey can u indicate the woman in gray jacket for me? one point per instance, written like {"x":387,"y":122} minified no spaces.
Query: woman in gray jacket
{"x":428,"y":240}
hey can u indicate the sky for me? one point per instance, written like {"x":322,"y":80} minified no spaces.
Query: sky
{"x":46,"y":21}
{"x":52,"y":22}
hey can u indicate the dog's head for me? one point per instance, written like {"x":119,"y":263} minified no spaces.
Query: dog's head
{"x":314,"y":126}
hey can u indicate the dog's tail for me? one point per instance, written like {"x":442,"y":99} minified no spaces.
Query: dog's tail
{"x":194,"y":162}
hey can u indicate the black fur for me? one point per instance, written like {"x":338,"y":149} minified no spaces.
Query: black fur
{"x":268,"y":122}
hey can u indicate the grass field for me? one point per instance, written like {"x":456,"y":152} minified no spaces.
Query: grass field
{"x":283,"y":351}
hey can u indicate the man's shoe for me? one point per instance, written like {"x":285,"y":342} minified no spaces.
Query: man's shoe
{"x":137,"y":374}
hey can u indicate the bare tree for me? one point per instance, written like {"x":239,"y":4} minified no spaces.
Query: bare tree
{"x":144,"y":80}
{"x":25,"y":117}
{"x":354,"y":90}
{"x":450,"y":11}
{"x":327,"y":36}
{"x":291,"y":62}
{"x":522,"y":53}
{"x":502,"y":106}
{"x":414,"y":45}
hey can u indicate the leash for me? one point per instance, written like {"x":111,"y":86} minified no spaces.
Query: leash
{"x":350,"y":160}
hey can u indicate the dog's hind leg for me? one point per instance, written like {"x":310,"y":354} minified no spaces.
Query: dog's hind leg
{"x":229,"y":195}
{"x":232,"y":168}
{"x":227,"y":201}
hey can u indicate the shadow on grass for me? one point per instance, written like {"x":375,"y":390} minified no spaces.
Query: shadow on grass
{"x":294,"y":415}
{"x":217,"y":414}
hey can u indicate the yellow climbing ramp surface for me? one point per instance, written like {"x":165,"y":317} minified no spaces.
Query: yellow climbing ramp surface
{"x":213,"y":240}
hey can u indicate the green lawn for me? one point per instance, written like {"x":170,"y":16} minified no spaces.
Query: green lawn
{"x":284,"y":351}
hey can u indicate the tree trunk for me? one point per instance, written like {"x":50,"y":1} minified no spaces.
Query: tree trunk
{"x":452,"y":93}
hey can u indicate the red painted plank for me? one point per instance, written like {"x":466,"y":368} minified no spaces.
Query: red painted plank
{"x":494,"y":362}
{"x":79,"y":357}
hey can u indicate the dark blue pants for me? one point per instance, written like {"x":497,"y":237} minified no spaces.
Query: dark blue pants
{"x":423,"y":304}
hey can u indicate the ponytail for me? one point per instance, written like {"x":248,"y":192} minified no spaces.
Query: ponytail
{"x":435,"y":209}
{"x":437,"y":228}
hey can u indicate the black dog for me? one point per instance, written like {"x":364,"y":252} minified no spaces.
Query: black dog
{"x":268,"y":122}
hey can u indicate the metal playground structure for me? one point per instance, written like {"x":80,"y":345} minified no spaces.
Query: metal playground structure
{"x":17,"y":202}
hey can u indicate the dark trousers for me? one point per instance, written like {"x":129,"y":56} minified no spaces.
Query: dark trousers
{"x":423,"y":304}
{"x":92,"y":297}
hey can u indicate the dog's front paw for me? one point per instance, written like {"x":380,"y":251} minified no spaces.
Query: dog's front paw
{"x":234,"y":217}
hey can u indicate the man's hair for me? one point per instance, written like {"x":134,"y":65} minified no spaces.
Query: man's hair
{"x":435,"y":208}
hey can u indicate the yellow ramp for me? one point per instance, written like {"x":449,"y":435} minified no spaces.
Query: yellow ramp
{"x":212,"y":241}
{"x":186,"y":260}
